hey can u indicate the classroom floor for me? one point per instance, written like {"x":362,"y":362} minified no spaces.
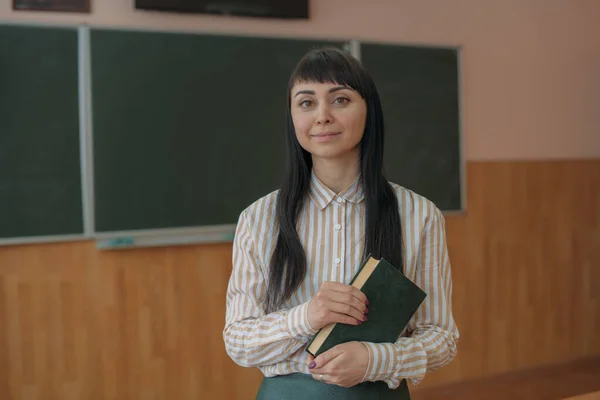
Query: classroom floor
{"x":578,"y":380}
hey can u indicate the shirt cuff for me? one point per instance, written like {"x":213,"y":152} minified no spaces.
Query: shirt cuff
{"x":392,"y":362}
{"x":382,"y":361}
{"x":297,"y":323}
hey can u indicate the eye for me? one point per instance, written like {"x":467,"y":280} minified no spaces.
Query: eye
{"x":305,"y":103}
{"x":341,"y":100}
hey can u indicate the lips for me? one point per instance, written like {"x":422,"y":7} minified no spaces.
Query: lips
{"x":327,"y":133}
{"x":325,"y":136}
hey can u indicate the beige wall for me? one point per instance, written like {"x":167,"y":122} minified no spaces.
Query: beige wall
{"x":531,"y":68}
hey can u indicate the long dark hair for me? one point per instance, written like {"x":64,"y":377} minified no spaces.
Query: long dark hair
{"x":383,"y":235}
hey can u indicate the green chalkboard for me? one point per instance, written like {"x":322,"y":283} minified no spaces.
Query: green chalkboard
{"x":419,"y":89}
{"x":188,"y":129}
{"x":40,"y":179}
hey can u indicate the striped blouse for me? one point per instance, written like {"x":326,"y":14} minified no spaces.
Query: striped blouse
{"x":331,"y":230}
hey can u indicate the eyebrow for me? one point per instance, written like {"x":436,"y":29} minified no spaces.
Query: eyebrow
{"x":335,"y":89}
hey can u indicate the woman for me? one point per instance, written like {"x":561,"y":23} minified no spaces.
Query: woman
{"x":296,"y":249}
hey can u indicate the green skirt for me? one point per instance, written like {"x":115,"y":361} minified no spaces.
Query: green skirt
{"x":302,"y":386}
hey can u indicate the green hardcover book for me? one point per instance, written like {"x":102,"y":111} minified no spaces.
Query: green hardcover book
{"x":393,"y":300}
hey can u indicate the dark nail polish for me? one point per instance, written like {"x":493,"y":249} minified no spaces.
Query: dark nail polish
{"x":312,"y":365}
{"x":367,"y":302}
{"x":367,"y":310}
{"x":365,"y":318}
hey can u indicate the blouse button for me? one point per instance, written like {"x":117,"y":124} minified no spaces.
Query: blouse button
{"x":337,"y":260}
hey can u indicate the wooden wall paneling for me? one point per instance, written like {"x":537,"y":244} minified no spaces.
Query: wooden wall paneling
{"x":76,"y":322}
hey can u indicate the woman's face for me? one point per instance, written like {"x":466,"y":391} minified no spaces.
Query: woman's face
{"x":329,"y":119}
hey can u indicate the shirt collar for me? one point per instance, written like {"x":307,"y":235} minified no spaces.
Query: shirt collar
{"x":322,"y":195}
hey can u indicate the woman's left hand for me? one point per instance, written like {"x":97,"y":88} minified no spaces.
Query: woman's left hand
{"x":343,"y":365}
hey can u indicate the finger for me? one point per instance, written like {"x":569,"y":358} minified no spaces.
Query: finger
{"x":348,"y":299}
{"x":317,"y":377}
{"x":339,"y":318}
{"x":324,"y":315}
{"x":325,"y":358}
{"x":311,"y":359}
{"x":346,"y":310}
{"x":325,"y":371}
{"x":349,"y":289}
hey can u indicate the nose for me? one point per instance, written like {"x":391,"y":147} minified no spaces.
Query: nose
{"x":324,"y":116}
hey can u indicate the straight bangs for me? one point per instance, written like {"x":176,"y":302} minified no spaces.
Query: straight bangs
{"x":330,"y":65}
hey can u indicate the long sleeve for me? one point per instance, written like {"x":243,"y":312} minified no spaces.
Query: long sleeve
{"x":253,"y":338}
{"x":433,"y":334}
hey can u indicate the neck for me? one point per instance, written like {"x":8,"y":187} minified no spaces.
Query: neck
{"x":337,"y":174}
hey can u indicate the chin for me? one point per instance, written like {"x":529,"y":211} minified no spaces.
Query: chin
{"x":331,"y":150}
{"x":330,"y":153}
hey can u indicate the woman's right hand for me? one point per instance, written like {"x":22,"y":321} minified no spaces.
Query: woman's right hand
{"x":337,"y":303}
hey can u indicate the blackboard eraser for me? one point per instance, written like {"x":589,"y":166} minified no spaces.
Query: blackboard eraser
{"x":115,"y":243}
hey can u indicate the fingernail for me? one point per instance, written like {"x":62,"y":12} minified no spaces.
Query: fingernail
{"x":367,"y":302}
{"x":366,"y":310}
{"x":312,"y":365}
{"x":365,"y":318}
